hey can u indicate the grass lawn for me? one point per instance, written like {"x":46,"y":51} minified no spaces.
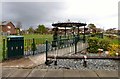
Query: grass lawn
{"x":45,"y":36}
{"x":39,"y":37}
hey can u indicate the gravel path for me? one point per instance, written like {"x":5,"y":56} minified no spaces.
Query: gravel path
{"x":92,"y":64}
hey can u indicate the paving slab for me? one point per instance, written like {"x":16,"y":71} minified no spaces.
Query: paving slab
{"x":19,"y":63}
{"x":71,"y":73}
{"x":38,"y":73}
{"x":13,"y":73}
{"x":38,"y":59}
{"x":54,"y":73}
{"x":21,"y":73}
{"x":105,"y":73}
{"x":6,"y":72}
{"x":87,"y":73}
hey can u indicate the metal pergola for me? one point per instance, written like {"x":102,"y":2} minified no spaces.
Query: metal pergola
{"x":69,"y":25}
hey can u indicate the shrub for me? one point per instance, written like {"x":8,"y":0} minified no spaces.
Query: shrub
{"x":113,"y":49}
{"x":92,"y":35}
{"x":96,"y":43}
{"x":104,"y":44}
{"x":93,"y":45}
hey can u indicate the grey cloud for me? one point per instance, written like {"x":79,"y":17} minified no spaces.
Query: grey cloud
{"x":34,"y":13}
{"x":31,"y":13}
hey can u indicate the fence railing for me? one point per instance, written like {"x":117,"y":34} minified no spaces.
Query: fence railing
{"x":34,"y":46}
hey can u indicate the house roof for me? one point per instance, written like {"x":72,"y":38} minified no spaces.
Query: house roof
{"x":4,"y":22}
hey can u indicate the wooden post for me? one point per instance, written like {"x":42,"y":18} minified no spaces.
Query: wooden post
{"x":81,"y":57}
{"x":85,"y":61}
{"x":100,"y":51}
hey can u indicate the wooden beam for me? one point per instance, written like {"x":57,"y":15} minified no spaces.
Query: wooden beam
{"x":82,"y":57}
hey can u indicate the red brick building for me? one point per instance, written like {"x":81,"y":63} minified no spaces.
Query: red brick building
{"x":8,"y":28}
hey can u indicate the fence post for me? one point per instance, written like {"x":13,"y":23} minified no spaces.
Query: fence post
{"x":3,"y":54}
{"x":46,"y":62}
{"x":75,"y":45}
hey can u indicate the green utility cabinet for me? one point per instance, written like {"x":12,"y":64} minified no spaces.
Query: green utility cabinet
{"x":15,"y":46}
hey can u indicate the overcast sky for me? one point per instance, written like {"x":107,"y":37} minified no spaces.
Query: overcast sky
{"x":103,"y":13}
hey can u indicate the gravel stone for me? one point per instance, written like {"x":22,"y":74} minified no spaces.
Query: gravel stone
{"x":92,"y":64}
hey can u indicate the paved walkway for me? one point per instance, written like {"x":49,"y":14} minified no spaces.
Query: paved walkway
{"x":64,"y":73}
{"x":26,"y":62}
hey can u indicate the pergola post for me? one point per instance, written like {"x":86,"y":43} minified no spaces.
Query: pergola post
{"x":65,"y":31}
{"x":84,"y":35}
{"x":55,"y":36}
{"x":78,"y":35}
{"x":78,"y":30}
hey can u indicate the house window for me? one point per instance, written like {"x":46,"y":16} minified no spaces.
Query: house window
{"x":8,"y":27}
{"x":8,"y":31}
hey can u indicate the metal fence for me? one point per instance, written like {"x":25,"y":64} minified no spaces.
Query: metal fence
{"x":64,"y":48}
{"x":37,"y":46}
{"x":31,"y":47}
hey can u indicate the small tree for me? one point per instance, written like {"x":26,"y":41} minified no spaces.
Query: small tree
{"x":31,"y":30}
{"x":41,"y":29}
{"x":93,"y":27}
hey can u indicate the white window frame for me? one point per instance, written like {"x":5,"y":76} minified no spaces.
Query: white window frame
{"x":9,"y":27}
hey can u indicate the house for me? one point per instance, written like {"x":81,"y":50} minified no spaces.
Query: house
{"x":7,"y":28}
